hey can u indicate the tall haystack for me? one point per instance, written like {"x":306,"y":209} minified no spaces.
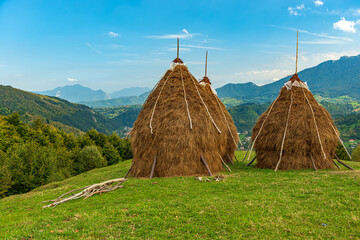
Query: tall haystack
{"x":295,"y":132}
{"x":231,"y":139}
{"x":175,"y":133}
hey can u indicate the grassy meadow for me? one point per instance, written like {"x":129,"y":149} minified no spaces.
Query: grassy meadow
{"x":249,"y":203}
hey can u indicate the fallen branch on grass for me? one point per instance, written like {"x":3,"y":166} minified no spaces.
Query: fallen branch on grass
{"x":88,"y":191}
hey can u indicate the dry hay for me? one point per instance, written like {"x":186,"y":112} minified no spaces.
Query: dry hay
{"x":302,"y":134}
{"x":176,"y":127}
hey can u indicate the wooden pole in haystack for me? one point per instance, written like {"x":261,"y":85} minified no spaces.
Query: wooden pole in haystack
{"x":177,"y":48}
{"x":297,"y":47}
{"x":206,"y":63}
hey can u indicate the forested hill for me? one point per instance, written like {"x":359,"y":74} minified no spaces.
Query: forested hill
{"x":52,"y":110}
{"x":330,"y":79}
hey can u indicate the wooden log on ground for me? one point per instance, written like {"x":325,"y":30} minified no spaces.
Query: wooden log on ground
{"x":206,"y":165}
{"x":88,"y":191}
{"x":251,"y":161}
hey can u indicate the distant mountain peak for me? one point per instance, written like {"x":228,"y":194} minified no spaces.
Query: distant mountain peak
{"x":331,"y":78}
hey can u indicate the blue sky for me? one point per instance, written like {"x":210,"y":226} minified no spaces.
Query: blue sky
{"x":111,"y":45}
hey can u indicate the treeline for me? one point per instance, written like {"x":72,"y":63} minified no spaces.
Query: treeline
{"x":37,"y":154}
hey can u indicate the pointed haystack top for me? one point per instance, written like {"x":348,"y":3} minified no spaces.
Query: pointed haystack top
{"x":294,"y":78}
{"x":205,"y":80}
{"x":177,"y":59}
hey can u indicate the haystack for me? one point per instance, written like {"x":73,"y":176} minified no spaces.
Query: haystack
{"x":231,"y":139}
{"x":176,"y":133}
{"x":295,"y":132}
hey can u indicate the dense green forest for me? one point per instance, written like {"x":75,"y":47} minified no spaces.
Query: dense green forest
{"x":36,"y":154}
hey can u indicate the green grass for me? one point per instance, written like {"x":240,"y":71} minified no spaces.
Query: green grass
{"x":249,"y":203}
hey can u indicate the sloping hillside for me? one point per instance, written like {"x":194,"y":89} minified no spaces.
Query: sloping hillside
{"x":249,"y":204}
{"x":51,"y":109}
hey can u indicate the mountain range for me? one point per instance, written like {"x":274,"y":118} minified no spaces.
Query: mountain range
{"x":332,"y":78}
{"x":77,"y":93}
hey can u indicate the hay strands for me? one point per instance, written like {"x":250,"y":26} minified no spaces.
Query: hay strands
{"x":88,"y":191}
{"x":337,"y":158}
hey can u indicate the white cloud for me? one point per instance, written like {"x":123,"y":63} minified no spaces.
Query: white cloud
{"x":322,"y":42}
{"x":185,"y":34}
{"x":346,"y":26}
{"x":201,"y":47}
{"x":259,"y":76}
{"x":181,"y":49}
{"x":296,"y":11}
{"x":345,"y":39}
{"x":318,"y":3}
{"x":112,"y":34}
{"x":321,"y":57}
{"x":72,"y":79}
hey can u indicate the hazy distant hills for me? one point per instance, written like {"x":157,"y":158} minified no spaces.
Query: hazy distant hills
{"x":78,"y":93}
{"x":128,"y":92}
{"x":121,"y":101}
{"x":328,"y":79}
